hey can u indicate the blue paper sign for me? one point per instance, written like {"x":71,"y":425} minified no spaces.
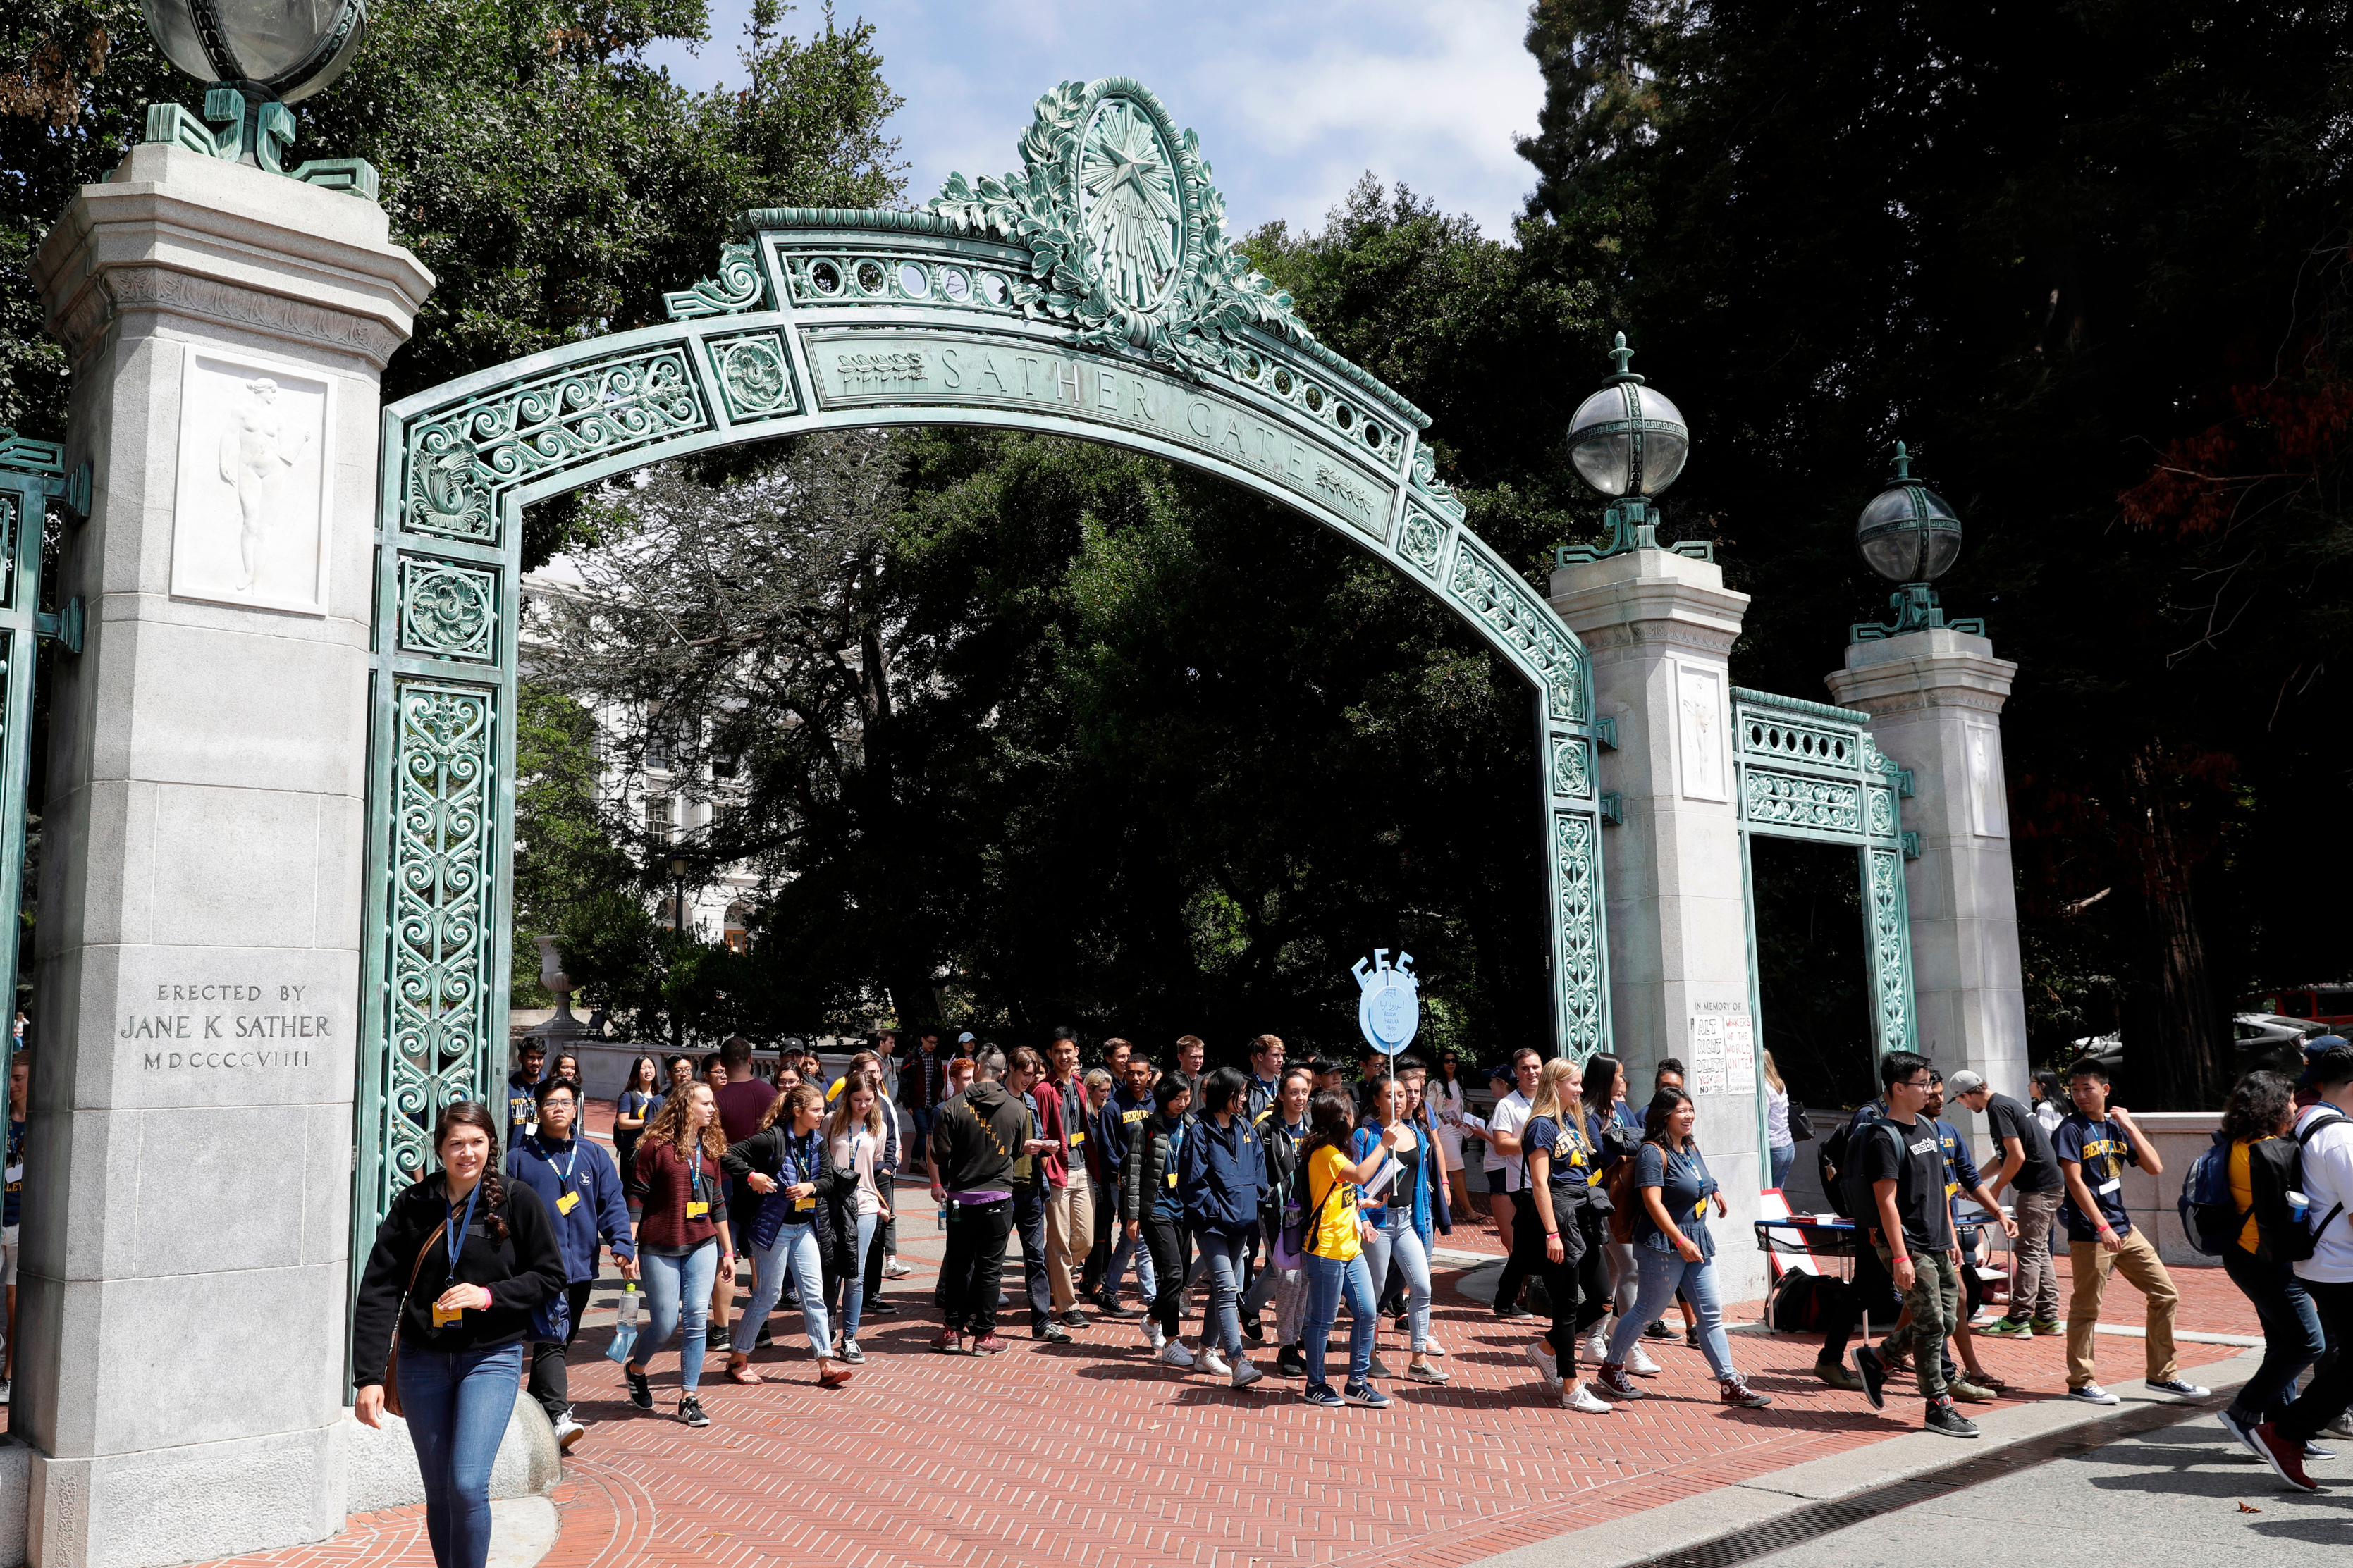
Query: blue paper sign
{"x":1389,"y":1001}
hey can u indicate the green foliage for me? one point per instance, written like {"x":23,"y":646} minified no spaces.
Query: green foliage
{"x":553,"y":182}
{"x":2090,"y":263}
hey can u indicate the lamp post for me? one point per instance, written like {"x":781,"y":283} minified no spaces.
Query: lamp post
{"x":1911,"y":536}
{"x":678,"y":870}
{"x":256,"y":56}
{"x":1628,"y":441}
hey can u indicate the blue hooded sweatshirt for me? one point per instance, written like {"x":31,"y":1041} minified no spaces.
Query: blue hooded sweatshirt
{"x":1221,"y":1171}
{"x":581,"y":1170}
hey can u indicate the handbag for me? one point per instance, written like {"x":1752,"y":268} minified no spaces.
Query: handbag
{"x":1801,"y":1126}
{"x":391,"y":1357}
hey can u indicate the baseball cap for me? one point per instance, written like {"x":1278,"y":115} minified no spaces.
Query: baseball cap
{"x":963,"y":1039}
{"x":1964,"y":1082}
{"x":2326,"y":1060}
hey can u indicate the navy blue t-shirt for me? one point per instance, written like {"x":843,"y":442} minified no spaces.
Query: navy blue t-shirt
{"x":1571,"y":1161}
{"x":1684,"y":1189}
{"x":2104,"y":1151}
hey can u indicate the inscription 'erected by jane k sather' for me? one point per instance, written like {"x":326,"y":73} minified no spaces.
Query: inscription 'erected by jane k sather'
{"x":247,"y":1013}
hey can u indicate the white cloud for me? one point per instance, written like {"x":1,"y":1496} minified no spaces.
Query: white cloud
{"x":1292,"y":103}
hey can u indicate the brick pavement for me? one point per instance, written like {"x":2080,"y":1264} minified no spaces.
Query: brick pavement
{"x":1093,"y":1454}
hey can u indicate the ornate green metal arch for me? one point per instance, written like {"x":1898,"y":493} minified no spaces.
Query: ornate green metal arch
{"x":1095,"y":295}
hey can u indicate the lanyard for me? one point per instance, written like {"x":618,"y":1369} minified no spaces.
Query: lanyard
{"x":799,"y":1157}
{"x":564,"y":1173}
{"x":695,"y":1175}
{"x":456,"y":1232}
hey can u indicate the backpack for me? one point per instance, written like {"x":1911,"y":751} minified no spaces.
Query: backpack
{"x":2210,"y":1217}
{"x":1840,"y":1160}
{"x":2275,"y":1168}
{"x":1802,"y":1303}
{"x":1620,"y":1185}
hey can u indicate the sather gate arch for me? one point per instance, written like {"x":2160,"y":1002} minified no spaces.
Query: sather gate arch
{"x":1093,"y":294}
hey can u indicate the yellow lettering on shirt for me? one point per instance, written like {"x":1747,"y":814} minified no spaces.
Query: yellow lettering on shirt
{"x":1136,"y":1115}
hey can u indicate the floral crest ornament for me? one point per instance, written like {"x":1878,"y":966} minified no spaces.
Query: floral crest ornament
{"x":1126,"y":234}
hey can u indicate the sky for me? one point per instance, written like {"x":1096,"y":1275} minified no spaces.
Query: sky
{"x":1293,"y":100}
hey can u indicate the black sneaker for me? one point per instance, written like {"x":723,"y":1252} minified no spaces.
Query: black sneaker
{"x":1052,"y":1332}
{"x":1106,"y":1303}
{"x":690,"y":1410}
{"x":1945,"y":1419}
{"x":875,"y":1307}
{"x":1291,"y":1362}
{"x":1873,"y":1372}
{"x":763,"y":1339}
{"x":641,"y":1393}
{"x":1656,"y":1328}
{"x":1253,"y":1331}
{"x":1514,"y":1313}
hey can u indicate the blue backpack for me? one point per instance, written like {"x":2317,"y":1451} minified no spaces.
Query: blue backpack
{"x":2210,"y":1217}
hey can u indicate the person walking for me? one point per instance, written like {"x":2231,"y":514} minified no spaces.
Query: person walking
{"x":1567,"y":1210}
{"x":1505,"y":1200}
{"x":798,"y":1196}
{"x":682,"y":1242}
{"x":20,"y":1089}
{"x":2029,"y":1171}
{"x":2255,"y":1122}
{"x":1151,"y":1209}
{"x":1333,"y":1248}
{"x":640,"y":1097}
{"x":1394,"y":1202}
{"x":2324,"y":1135}
{"x":580,"y":1186}
{"x":1674,"y":1249}
{"x":1102,"y":1150}
{"x":858,"y":1138}
{"x":1281,"y":1128}
{"x":1614,"y":1133}
{"x":1032,"y":1180}
{"x":2094,"y":1144}
{"x":1449,"y":1104}
{"x":1780,"y":1144}
{"x":1132,"y":1104}
{"x":976,"y":1136}
{"x":1221,"y":1173}
{"x":461,"y":1262}
{"x":1266,"y":1074}
{"x":1069,"y":1193}
{"x":531,"y":1063}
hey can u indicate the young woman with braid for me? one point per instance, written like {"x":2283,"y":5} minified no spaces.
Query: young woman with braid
{"x":1566,"y":1242}
{"x":785,"y":1162}
{"x":462,"y":1261}
{"x":682,"y":1241}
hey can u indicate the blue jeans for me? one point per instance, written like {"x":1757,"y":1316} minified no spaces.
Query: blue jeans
{"x":1329,"y":1280}
{"x":1398,"y":1240}
{"x":457,"y":1405}
{"x":1661,"y":1274}
{"x":678,"y":1292}
{"x":2292,"y":1337}
{"x":793,"y":1255}
{"x":1783,"y":1156}
{"x":1148,"y":1285}
{"x":1223,"y":1257}
{"x":853,"y":1284}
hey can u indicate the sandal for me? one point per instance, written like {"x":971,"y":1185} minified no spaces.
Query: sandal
{"x":742,"y":1372}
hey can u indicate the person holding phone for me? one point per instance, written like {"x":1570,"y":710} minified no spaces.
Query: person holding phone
{"x":1395,"y":1206}
{"x":1333,"y":1249}
{"x":682,"y":1242}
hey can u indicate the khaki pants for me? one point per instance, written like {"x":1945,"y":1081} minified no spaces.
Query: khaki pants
{"x":2137,"y":1261}
{"x":1069,"y":1233}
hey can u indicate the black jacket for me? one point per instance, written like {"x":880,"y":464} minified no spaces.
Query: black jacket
{"x":1145,"y":1169}
{"x":975,"y":1138}
{"x":522,"y":1272}
{"x":837,"y":1190}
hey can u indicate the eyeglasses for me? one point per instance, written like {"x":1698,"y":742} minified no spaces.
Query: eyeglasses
{"x":1919,"y":1083}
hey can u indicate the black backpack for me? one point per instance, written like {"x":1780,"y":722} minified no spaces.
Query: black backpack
{"x":2275,"y":1168}
{"x":1840,"y":1159}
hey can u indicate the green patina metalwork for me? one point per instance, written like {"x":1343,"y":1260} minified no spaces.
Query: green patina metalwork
{"x":253,"y":130}
{"x":1807,"y":770}
{"x":1095,"y":294}
{"x":32,"y":474}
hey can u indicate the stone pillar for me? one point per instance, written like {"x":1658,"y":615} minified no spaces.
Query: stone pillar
{"x":187,"y":1238}
{"x":1936,"y":698}
{"x":1657,"y":627}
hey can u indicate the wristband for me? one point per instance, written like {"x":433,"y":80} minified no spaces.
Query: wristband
{"x":1552,"y":1236}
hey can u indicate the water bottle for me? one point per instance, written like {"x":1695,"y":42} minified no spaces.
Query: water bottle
{"x":2298,"y":1205}
{"x":630,"y":1302}
{"x":942,"y":1222}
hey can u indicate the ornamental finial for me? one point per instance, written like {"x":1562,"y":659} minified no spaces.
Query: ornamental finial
{"x":1903,"y":462}
{"x":1621,"y":353}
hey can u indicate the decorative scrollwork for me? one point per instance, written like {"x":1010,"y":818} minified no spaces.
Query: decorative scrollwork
{"x":1511,"y":608}
{"x":447,"y":610}
{"x":442,"y":924}
{"x":739,"y":287}
{"x":459,"y":463}
{"x":1890,"y":951}
{"x":1577,"y":909}
{"x":1883,"y":813}
{"x":755,"y":374}
{"x":1423,"y":538}
{"x":1785,"y":740}
{"x":1572,"y":766}
{"x":1791,"y":800}
{"x":1435,"y":490}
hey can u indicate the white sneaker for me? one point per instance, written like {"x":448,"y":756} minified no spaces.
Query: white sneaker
{"x":894,"y":1270}
{"x":1153,"y":1333}
{"x":1540,"y":1357}
{"x":1213,"y":1364}
{"x":1583,"y":1399}
{"x":568,"y":1431}
{"x":2093,"y":1394}
{"x":1597,"y":1346}
{"x":1245,"y":1373}
{"x":1174,"y":1353}
{"x":1433,"y":1348}
{"x":3,"y":1391}
{"x":1638,"y":1364}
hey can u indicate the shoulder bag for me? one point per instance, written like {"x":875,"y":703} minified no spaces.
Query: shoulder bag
{"x":391,"y":1357}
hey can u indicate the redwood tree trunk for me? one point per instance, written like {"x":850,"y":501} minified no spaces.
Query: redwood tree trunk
{"x":2179,"y":1059}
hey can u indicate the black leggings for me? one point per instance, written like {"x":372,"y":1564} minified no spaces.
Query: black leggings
{"x":551,"y":1381}
{"x":1578,"y":1284}
{"x":1171,"y":1244}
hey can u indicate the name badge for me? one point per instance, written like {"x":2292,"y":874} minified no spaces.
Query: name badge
{"x":2114,"y":1183}
{"x":695,"y":1210}
{"x":567,"y":1203}
{"x":804,"y":1203}
{"x":1172,"y":1178}
{"x":1077,"y":1139}
{"x":445,"y":1315}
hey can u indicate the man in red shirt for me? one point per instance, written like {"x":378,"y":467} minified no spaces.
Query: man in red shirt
{"x":1070,"y":1206}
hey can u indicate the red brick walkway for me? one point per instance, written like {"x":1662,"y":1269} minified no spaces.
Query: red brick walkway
{"x":1092,"y":1454}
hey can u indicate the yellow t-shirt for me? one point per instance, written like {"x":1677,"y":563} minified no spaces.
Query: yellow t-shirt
{"x":2242,"y":1193}
{"x":1335,"y":1234}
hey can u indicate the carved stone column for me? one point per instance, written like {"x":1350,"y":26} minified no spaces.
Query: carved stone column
{"x":1936,"y":698}
{"x":1657,"y":627}
{"x":186,"y":1233}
